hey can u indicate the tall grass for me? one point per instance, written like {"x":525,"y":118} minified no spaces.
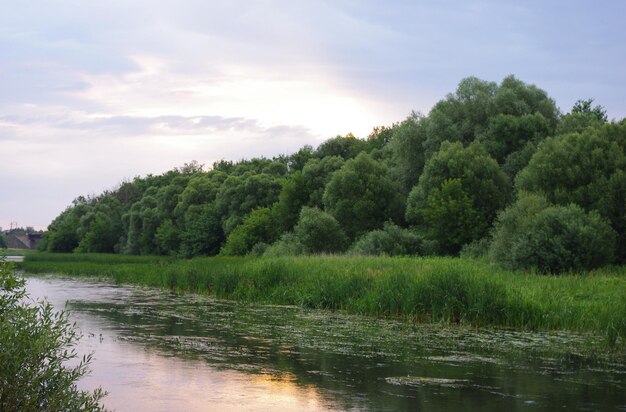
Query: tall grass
{"x":423,"y":289}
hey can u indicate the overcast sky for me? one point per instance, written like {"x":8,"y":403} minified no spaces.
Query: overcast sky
{"x":95,"y":92}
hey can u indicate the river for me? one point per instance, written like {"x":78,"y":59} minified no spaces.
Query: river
{"x":159,"y":351}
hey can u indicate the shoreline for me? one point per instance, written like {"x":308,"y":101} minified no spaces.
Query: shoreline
{"x":426,"y":290}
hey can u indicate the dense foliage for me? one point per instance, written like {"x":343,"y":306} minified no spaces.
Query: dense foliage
{"x":431,"y":183}
{"x":552,"y":239}
{"x":35,"y":345}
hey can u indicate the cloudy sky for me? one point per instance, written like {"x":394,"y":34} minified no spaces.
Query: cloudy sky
{"x":95,"y":92}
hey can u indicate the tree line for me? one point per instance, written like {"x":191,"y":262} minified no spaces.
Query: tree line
{"x":493,"y":169}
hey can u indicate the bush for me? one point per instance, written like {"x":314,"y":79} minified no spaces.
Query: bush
{"x":259,"y":226}
{"x":316,"y":232}
{"x":476,"y":249}
{"x":554,"y":240}
{"x":588,"y":169}
{"x":35,"y":347}
{"x":319,"y":232}
{"x":392,"y":240}
{"x":512,"y":221}
{"x":287,"y":245}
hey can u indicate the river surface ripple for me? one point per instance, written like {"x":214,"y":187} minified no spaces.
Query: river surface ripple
{"x":159,"y":351}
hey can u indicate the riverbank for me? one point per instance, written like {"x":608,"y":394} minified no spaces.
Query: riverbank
{"x":438,"y":289}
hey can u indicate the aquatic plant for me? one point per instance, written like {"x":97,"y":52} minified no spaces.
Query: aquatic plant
{"x":433,"y":289}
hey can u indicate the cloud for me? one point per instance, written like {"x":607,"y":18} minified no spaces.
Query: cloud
{"x":93,"y":92}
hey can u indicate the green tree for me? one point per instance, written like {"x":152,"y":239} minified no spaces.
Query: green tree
{"x":167,"y":238}
{"x":239,"y":195}
{"x":260,"y":226}
{"x":62,"y":233}
{"x":451,"y":218}
{"x":588,"y":169}
{"x":316,"y":175}
{"x":582,"y":116}
{"x":103,"y":234}
{"x":293,"y":196}
{"x":470,"y":113}
{"x":37,"y":345}
{"x":508,"y":134}
{"x":296,"y":161}
{"x":362,"y":197}
{"x":346,"y":147}
{"x":584,"y":107}
{"x":473,"y":179}
{"x":407,"y":146}
{"x":202,"y":231}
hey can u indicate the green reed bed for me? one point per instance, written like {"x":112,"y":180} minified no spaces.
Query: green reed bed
{"x":421,"y":289}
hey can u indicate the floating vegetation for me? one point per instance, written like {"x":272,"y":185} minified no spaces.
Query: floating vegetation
{"x":426,"y":381}
{"x":424,"y":290}
{"x":363,"y":359}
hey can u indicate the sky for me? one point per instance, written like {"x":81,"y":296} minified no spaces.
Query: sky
{"x":93,"y":93}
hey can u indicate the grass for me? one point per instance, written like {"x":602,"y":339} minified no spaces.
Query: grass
{"x":433,"y":289}
{"x":18,"y":252}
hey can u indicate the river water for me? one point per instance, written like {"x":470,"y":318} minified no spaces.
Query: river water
{"x":158,"y":351}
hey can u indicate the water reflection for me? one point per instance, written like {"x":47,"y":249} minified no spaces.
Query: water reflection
{"x":159,"y":351}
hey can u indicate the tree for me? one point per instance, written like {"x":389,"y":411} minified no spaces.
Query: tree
{"x":239,"y":195}
{"x":508,"y":134}
{"x":346,"y":147}
{"x":471,"y":111}
{"x":62,"y":233}
{"x":102,"y":236}
{"x":293,"y":196}
{"x":296,"y":161}
{"x":462,"y":182}
{"x":450,"y":217}
{"x":362,"y":197}
{"x":588,"y":169}
{"x":582,"y":116}
{"x":167,"y":238}
{"x":202,"y":231}
{"x":316,"y":174}
{"x":260,"y":226}
{"x":584,"y":107}
{"x":407,"y":146}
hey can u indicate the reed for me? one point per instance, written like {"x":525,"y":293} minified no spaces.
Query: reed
{"x":434,"y":289}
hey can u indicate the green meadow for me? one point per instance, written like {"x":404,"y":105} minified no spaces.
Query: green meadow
{"x":469,"y":292}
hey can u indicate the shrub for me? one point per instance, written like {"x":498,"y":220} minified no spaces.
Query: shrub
{"x":512,"y":221}
{"x":476,"y":249}
{"x":35,"y":347}
{"x":319,"y":232}
{"x":588,"y":169}
{"x":392,"y":240}
{"x":287,"y":245}
{"x":554,"y":240}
